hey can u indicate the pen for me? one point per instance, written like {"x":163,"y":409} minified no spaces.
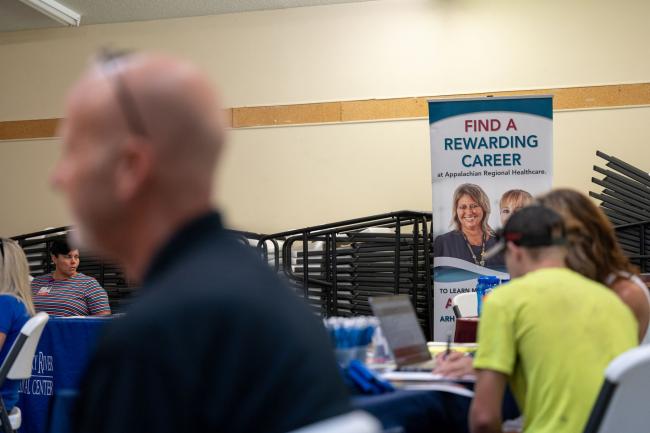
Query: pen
{"x":448,"y":346}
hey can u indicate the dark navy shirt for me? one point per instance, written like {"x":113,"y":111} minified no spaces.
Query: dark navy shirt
{"x":453,"y":244}
{"x":216,"y":343}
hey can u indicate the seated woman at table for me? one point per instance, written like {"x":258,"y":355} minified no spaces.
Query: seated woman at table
{"x":593,"y":252}
{"x":66,"y":292}
{"x":15,"y":307}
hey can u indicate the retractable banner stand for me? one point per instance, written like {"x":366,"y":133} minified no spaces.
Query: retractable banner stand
{"x":489,"y":156}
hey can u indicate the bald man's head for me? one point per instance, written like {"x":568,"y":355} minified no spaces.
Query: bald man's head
{"x":140,"y":131}
{"x":179,"y":113}
{"x":172,"y":104}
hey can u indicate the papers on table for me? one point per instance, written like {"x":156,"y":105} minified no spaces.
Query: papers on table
{"x":421,"y":381}
{"x":420,"y":376}
{"x":438,"y":347}
{"x":450,"y":387}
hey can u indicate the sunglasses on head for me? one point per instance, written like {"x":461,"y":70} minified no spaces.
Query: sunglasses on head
{"x":112,"y":63}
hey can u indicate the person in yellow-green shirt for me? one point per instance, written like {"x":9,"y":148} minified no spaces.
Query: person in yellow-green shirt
{"x":550,"y":333}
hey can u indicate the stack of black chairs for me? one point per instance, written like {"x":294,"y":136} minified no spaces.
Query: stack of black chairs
{"x":336,"y":267}
{"x":625,"y":199}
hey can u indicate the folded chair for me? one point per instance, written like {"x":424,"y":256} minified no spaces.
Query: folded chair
{"x":622,"y":405}
{"x":18,"y":365}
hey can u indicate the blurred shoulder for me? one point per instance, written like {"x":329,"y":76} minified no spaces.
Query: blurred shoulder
{"x":632,"y":294}
{"x":629,"y":286}
{"x":9,"y":301}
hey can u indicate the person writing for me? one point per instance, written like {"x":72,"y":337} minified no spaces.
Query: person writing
{"x":472,"y":235}
{"x":15,"y":307}
{"x":66,"y":292}
{"x":529,"y":339}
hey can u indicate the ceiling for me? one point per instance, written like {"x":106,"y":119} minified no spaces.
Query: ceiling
{"x":15,"y":15}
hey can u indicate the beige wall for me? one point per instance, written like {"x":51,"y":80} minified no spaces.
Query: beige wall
{"x":347,"y":171}
{"x":280,"y":178}
{"x":27,"y":202}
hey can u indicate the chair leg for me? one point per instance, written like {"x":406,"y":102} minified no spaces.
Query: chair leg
{"x":4,"y":418}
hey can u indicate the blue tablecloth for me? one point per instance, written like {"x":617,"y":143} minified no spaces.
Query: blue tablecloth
{"x":61,"y":357}
{"x":418,"y":411}
{"x":425,"y":411}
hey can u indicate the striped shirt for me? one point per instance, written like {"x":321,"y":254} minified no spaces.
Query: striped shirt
{"x":80,"y":295}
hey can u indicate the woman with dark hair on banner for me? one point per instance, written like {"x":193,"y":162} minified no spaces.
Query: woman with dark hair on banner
{"x":472,"y":236}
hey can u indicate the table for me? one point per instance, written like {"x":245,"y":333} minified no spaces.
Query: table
{"x":66,"y":345}
{"x":60,"y":360}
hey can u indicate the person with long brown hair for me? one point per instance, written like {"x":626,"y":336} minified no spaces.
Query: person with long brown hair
{"x":15,"y":306}
{"x":595,"y":252}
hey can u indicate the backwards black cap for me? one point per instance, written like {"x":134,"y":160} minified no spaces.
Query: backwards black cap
{"x":533,"y":226}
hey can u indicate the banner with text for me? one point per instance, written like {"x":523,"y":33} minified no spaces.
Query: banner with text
{"x":489,"y":157}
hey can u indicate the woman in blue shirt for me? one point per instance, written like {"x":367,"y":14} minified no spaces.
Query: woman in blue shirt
{"x":15,"y":307}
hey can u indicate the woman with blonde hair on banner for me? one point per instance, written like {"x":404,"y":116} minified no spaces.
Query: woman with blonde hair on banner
{"x":15,"y":306}
{"x":595,"y":252}
{"x":511,"y":201}
{"x":472,"y":235}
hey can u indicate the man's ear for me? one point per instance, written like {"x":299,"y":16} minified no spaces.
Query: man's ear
{"x":133,"y":167}
{"x":514,"y":250}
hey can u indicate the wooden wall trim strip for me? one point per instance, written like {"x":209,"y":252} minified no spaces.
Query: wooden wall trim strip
{"x":24,"y":129}
{"x":46,"y":128}
{"x":570,"y":98}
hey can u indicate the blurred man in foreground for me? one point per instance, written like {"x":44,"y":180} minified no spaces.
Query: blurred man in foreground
{"x":215,"y":341}
{"x":550,"y":332}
